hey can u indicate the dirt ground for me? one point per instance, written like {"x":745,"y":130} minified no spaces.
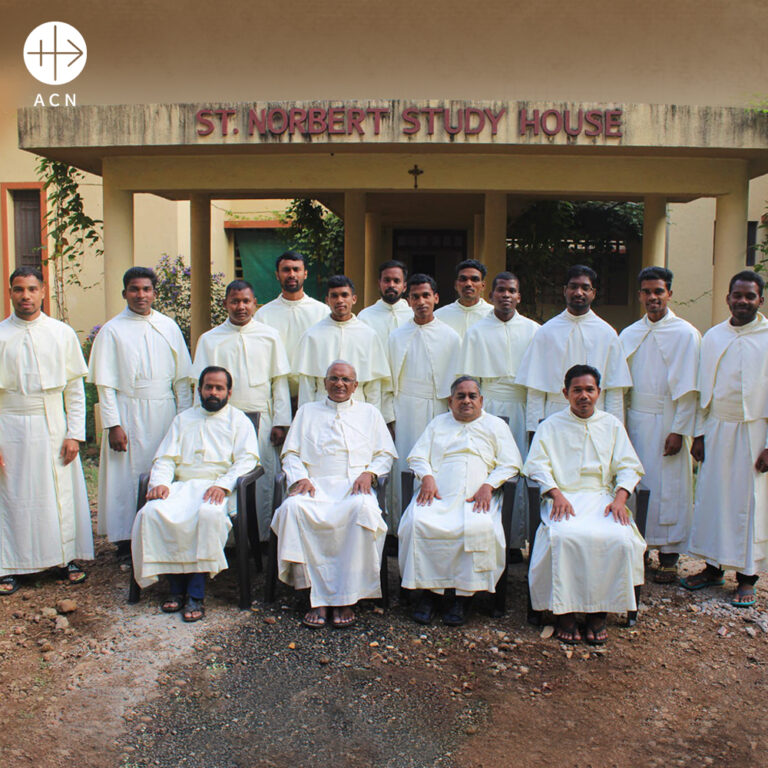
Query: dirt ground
{"x":108,"y":684}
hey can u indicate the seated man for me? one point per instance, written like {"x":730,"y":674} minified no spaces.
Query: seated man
{"x":451,"y":535}
{"x":182,"y":529}
{"x":330,"y":528}
{"x":588,"y":554}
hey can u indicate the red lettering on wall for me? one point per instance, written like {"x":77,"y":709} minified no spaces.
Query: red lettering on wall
{"x":257,"y":122}
{"x":410,"y":116}
{"x":224,"y":115}
{"x":593,"y":118}
{"x":355,"y":117}
{"x":378,"y":113}
{"x":297,"y":117}
{"x":546,"y":125}
{"x":525,"y":123}
{"x":205,"y":124}
{"x":613,"y":123}
{"x":316,"y":121}
{"x":336,"y":121}
{"x":569,"y":129}
{"x":495,"y":119}
{"x":452,"y":130}
{"x":282,"y":127}
{"x":469,"y":113}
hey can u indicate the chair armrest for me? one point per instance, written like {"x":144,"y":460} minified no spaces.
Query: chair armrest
{"x":407,"y":481}
{"x":641,"y":513}
{"x":381,"y":490}
{"x":279,"y":491}
{"x":249,"y":477}
{"x":255,"y":417}
{"x":141,"y":497}
{"x":534,"y":508}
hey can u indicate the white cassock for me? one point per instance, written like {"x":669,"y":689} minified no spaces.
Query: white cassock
{"x":332,"y":542}
{"x":352,"y":341}
{"x":44,"y":514}
{"x":385,"y":318}
{"x":562,"y":342}
{"x":255,"y":356}
{"x":462,"y":318}
{"x":589,"y":562}
{"x":422,"y":359}
{"x":141,"y":367}
{"x":447,"y":544}
{"x":183,"y":533}
{"x":663,"y":358}
{"x":291,"y":319}
{"x":730,"y":517}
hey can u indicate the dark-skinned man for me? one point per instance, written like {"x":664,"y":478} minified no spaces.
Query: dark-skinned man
{"x":588,"y":554}
{"x":44,"y":516}
{"x":141,"y":367}
{"x":330,"y":529}
{"x":662,"y":351}
{"x":255,"y":356}
{"x":470,"y":307}
{"x":730,"y":516}
{"x":182,"y":529}
{"x":451,"y":537}
{"x":391,"y":310}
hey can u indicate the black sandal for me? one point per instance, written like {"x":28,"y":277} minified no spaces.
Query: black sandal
{"x":73,"y":573}
{"x":13,"y":581}
{"x":193,"y":606}
{"x":425,"y":610}
{"x":456,"y":615}
{"x":173,"y":604}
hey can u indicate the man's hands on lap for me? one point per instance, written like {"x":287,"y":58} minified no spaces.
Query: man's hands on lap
{"x":428,"y":491}
{"x":618,"y":507}
{"x":118,"y":439}
{"x":561,"y":507}
{"x":158,"y":492}
{"x":303,"y":487}
{"x":69,"y":449}
{"x":482,"y":498}
{"x":215,"y":494}
{"x":363,"y":483}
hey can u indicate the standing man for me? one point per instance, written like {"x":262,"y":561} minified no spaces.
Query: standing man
{"x":451,"y":535}
{"x":577,"y":336}
{"x":292,"y":312}
{"x":141,"y":367}
{"x":730,"y":516}
{"x":391,"y":310}
{"x":255,"y":356}
{"x":662,"y":351}
{"x":44,"y":516}
{"x":422,"y":356}
{"x":470,"y":307}
{"x":341,"y":337}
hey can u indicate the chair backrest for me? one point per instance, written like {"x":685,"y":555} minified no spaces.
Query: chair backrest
{"x":255,"y":418}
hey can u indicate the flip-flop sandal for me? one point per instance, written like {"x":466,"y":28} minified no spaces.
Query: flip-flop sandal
{"x":340,"y":623}
{"x":173,"y":604}
{"x":744,"y":598}
{"x":594,"y":631}
{"x":193,"y":606}
{"x":13,"y":581}
{"x":74,"y":574}
{"x":316,"y":622}
{"x":716,"y":582}
{"x":574,"y":631}
{"x":666,"y":574}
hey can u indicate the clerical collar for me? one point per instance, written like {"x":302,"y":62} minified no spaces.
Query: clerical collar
{"x":669,"y":313}
{"x":588,"y":419}
{"x":342,"y":322}
{"x":239,"y":328}
{"x":213,"y":414}
{"x":131,"y":315}
{"x":27,"y":323}
{"x":751,"y":324}
{"x":472,"y":307}
{"x":345,"y":406}
{"x":577,"y":318}
{"x":291,"y":302}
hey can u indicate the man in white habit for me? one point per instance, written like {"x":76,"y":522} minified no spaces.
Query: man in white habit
{"x":44,"y":516}
{"x":140,"y":365}
{"x":255,"y":356}
{"x":730,"y":516}
{"x":391,"y":310}
{"x":588,"y":554}
{"x":470,"y":307}
{"x":330,"y":528}
{"x":662,"y":351}
{"x":341,"y":336}
{"x":451,"y":536}
{"x":575,"y":336}
{"x":422,"y":355}
{"x":182,"y":529}
{"x":292,"y":312}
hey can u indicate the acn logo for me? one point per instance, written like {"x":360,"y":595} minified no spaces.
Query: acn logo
{"x":55,"y":53}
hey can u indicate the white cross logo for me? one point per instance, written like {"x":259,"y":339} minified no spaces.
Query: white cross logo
{"x":55,"y":53}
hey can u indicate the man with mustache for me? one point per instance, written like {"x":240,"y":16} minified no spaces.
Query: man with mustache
{"x":141,"y":367}
{"x":391,"y":310}
{"x":588,"y":554}
{"x":662,"y":351}
{"x":575,"y":336}
{"x":730,"y":515}
{"x":182,"y":529}
{"x":255,"y":356}
{"x":470,"y":307}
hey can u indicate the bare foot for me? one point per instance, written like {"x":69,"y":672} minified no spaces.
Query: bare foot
{"x":567,"y":629}
{"x":343,"y":617}
{"x":315,"y":617}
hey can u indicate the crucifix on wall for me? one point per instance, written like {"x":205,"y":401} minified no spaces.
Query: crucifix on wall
{"x":415,"y":172}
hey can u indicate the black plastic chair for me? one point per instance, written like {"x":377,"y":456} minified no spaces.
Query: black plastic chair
{"x":642,"y":496}
{"x":507,"y":507}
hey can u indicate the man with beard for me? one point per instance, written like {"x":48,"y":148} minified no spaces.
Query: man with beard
{"x":730,"y":515}
{"x":292,"y":312}
{"x":255,"y":356}
{"x":391,"y":310}
{"x":182,"y":529}
{"x":470,"y":307}
{"x":574,"y":337}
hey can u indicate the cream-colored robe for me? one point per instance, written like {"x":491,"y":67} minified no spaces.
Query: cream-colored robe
{"x":663,"y":358}
{"x":564,"y":341}
{"x":291,"y":319}
{"x":255,"y":356}
{"x":588,"y":562}
{"x":447,"y":544}
{"x":462,"y":318}
{"x":352,"y":341}
{"x":422,"y":359}
{"x":182,"y":533}
{"x":141,"y":366}
{"x":332,"y":542}
{"x":730,"y":517}
{"x":44,"y":514}
{"x":385,"y":318}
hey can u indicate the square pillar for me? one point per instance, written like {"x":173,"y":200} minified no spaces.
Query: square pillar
{"x":654,"y":231}
{"x":495,"y":233}
{"x":200,"y":266}
{"x":354,"y":242}
{"x":372,"y":258}
{"x":118,"y":244}
{"x":477,"y":237}
{"x":730,"y":250}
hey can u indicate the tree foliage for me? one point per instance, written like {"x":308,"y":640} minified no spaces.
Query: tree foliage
{"x":317,"y":233}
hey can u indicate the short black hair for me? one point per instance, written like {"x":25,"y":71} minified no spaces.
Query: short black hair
{"x":394,"y":264}
{"x":420,"y":279}
{"x":239,"y":285}
{"x":26,"y":272}
{"x":747,"y":276}
{"x":214,"y":369}
{"x":656,"y":273}
{"x":472,"y":264}
{"x":581,"y":270}
{"x":339,"y":281}
{"x":139,"y":273}
{"x":290,"y":256}
{"x":581,"y":370}
{"x":461,"y":380}
{"x":504,"y":276}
